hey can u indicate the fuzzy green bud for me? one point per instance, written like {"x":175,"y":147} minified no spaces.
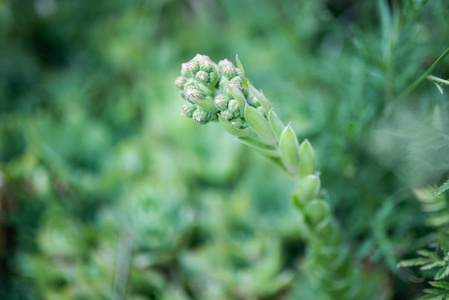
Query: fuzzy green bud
{"x":202,"y":76}
{"x":237,"y":79}
{"x":234,"y":107}
{"x":200,"y":57}
{"x":227,"y":114}
{"x":202,"y":116}
{"x":193,"y":93}
{"x":228,"y":69}
{"x":180,"y":82}
{"x":188,"y":110}
{"x":221,"y":101}
{"x":189,"y":69}
{"x":236,"y":122}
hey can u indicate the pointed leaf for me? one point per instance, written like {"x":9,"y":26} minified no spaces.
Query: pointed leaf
{"x":239,"y":64}
{"x":238,"y":95}
{"x":440,"y":284}
{"x":262,"y":148}
{"x":441,"y":189}
{"x":289,"y":148}
{"x":235,"y":131}
{"x":262,"y":99}
{"x":308,"y":189}
{"x":206,"y":104}
{"x":306,"y":159}
{"x":413,"y":262}
{"x":275,"y":123}
{"x":260,"y":125}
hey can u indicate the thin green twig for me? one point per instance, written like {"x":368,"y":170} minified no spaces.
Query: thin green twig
{"x":419,"y":81}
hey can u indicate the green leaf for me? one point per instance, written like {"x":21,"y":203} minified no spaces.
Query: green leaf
{"x":207,"y":105}
{"x":262,"y":148}
{"x":238,"y":95}
{"x":260,"y":125}
{"x":275,"y":123}
{"x":441,"y":189}
{"x":306,"y":159}
{"x":261,"y":98}
{"x":289,"y":148}
{"x":239,"y":64}
{"x":235,"y":131}
{"x":440,"y":284}
{"x":442,"y":273}
{"x":428,"y":254}
{"x":413,"y":262}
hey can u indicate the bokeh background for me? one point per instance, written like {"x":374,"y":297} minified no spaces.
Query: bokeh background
{"x":107,"y":192}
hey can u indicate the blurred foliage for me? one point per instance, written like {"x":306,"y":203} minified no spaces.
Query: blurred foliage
{"x":105,"y":191}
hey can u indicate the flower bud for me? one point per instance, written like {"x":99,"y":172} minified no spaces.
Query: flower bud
{"x":233,"y":106}
{"x":221,"y":101}
{"x":189,"y":68}
{"x":227,"y":114}
{"x":236,"y":122}
{"x":200,"y":57}
{"x":180,"y":82}
{"x":202,"y":76}
{"x":206,"y":65}
{"x":188,"y":110}
{"x":233,"y":85}
{"x":194,"y":93}
{"x":253,"y":101}
{"x":201,"y":115}
{"x":228,"y":70}
{"x":237,"y":79}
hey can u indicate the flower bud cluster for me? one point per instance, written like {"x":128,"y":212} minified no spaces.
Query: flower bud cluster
{"x":197,"y":85}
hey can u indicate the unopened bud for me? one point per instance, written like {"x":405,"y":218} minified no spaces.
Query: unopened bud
{"x":236,"y":122}
{"x":189,"y":69}
{"x":227,"y":114}
{"x":202,"y":76}
{"x":228,"y":70}
{"x":233,"y":85}
{"x":200,"y":57}
{"x":188,"y":110}
{"x":221,"y":101}
{"x":193,"y":93}
{"x":237,"y":79}
{"x":233,"y":106}
{"x":180,"y":82}
{"x":201,"y":115}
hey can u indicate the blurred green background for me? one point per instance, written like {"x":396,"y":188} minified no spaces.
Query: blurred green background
{"x":106,"y":192}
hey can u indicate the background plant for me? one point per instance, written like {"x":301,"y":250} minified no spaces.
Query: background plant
{"x":88,"y":129}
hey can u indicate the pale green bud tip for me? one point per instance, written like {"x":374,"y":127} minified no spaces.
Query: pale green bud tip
{"x":180,"y":82}
{"x":188,"y":110}
{"x":202,"y":116}
{"x":227,"y":68}
{"x":230,"y":86}
{"x":202,"y":76}
{"x":307,"y":159}
{"x":237,"y":122}
{"x":200,"y":57}
{"x":221,"y":101}
{"x":189,"y":69}
{"x":227,"y":114}
{"x":193,"y":93}
{"x":233,"y":106}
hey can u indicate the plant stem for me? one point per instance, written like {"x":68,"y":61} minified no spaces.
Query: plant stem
{"x":437,"y":79}
{"x":418,"y":81}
